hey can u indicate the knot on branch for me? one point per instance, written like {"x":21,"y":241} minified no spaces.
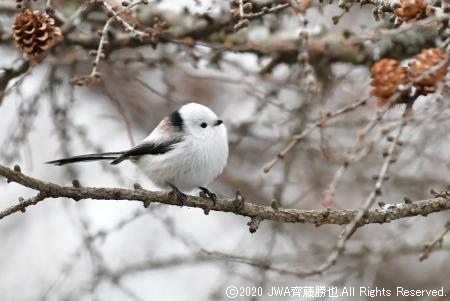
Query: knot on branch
{"x":407,"y":199}
{"x":239,"y":201}
{"x":76,"y":183}
{"x":206,"y":210}
{"x":16,"y":169}
{"x":274,"y":204}
{"x":21,"y":201}
{"x":253,"y":224}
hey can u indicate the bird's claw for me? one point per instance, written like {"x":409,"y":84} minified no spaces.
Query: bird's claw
{"x":181,"y":197}
{"x":206,"y":194}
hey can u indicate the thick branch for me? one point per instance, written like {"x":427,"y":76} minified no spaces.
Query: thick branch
{"x":237,"y":206}
{"x":396,"y":43}
{"x":331,"y":48}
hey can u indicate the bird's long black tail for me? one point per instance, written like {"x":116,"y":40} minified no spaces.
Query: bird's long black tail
{"x":86,"y":158}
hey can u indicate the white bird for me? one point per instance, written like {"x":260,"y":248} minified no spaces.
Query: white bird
{"x":187,"y":150}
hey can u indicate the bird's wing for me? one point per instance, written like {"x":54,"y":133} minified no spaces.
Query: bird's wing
{"x":161,"y":140}
{"x":147,"y":148}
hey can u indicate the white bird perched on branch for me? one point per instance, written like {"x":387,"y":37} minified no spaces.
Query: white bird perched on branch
{"x":187,"y":150}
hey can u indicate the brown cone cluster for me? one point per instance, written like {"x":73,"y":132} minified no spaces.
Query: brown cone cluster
{"x":35,"y":32}
{"x":410,"y":9}
{"x":387,"y":75}
{"x":425,"y":72}
{"x":428,"y":61}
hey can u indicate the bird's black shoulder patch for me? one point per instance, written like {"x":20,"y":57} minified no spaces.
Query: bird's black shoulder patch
{"x":177,"y":121}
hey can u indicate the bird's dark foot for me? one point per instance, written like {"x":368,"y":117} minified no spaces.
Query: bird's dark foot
{"x":181,"y":197}
{"x":206,"y":194}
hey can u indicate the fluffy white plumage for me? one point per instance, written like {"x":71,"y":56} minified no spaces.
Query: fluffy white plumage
{"x":187,"y":150}
{"x":197,"y":159}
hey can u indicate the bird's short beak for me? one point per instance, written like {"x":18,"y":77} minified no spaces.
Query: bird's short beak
{"x":218,"y":122}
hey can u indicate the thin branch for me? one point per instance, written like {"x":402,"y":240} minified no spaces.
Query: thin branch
{"x":436,"y":242}
{"x":298,"y":137}
{"x":94,"y":76}
{"x":360,"y":218}
{"x":128,"y":27}
{"x":353,"y":155}
{"x":100,"y":51}
{"x":23,"y":204}
{"x":10,"y":73}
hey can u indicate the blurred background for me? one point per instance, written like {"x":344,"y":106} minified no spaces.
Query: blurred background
{"x":268,"y":73}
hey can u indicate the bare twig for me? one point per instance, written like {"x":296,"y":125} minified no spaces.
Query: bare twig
{"x":128,"y":27}
{"x":267,"y":10}
{"x":100,"y":54}
{"x":298,"y":137}
{"x":351,"y":156}
{"x":359,"y":218}
{"x":436,"y":242}
{"x":7,"y":74}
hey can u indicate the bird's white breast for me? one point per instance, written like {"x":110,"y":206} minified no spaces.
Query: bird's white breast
{"x":193,"y":162}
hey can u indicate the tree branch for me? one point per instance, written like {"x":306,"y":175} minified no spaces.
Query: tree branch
{"x":8,"y":74}
{"x":235,"y":205}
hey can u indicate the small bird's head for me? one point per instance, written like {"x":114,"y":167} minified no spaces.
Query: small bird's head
{"x":199,"y":121}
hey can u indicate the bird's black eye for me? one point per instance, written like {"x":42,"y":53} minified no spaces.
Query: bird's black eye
{"x":203,"y":125}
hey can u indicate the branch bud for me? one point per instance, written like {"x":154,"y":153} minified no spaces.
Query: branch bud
{"x":253,"y":224}
{"x":239,"y":201}
{"x":274,"y":204}
{"x":76,"y":183}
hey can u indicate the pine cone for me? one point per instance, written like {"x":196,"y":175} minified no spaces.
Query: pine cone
{"x":410,"y":9}
{"x":425,"y":62}
{"x":387,"y":75}
{"x":35,"y":32}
